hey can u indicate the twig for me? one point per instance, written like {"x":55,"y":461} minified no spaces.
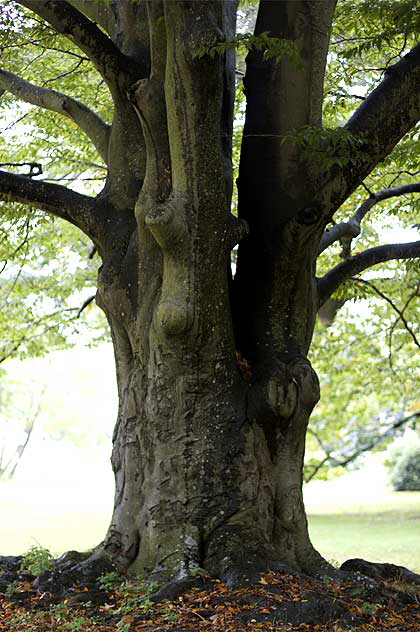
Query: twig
{"x":85,"y":304}
{"x":392,"y":304}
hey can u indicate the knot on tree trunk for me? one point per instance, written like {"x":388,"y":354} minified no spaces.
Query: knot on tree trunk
{"x":282,"y":388}
{"x":272,"y":396}
{"x":302,"y":374}
{"x":167,"y":222}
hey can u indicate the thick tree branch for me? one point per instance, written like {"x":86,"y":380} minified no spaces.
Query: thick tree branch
{"x":328,"y":284}
{"x":99,"y":12}
{"x":54,"y":198}
{"x":101,"y":50}
{"x":384,"y":117}
{"x":392,"y":108}
{"x":93,"y":126}
{"x":351,"y":228}
{"x":348,"y":229}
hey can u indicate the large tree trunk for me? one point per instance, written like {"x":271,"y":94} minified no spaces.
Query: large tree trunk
{"x":200,"y":482}
{"x":207,"y":454}
{"x":208,"y":466}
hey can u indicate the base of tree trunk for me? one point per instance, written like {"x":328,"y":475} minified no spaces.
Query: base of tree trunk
{"x":87,"y":568}
{"x":366,"y":594}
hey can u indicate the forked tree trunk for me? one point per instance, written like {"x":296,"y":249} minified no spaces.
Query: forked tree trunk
{"x":207,"y":454}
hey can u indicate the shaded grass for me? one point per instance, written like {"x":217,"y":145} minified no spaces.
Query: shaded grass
{"x":57,"y":517}
{"x":58,"y":533}
{"x":384,"y":531}
{"x":374,"y":537}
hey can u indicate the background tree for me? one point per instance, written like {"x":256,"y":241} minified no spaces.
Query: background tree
{"x":214,"y":380}
{"x":16,"y":427}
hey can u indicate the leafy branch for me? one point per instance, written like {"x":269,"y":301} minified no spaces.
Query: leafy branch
{"x":86,"y":119}
{"x":40,"y":328}
{"x":273,"y":48}
{"x":330,"y":146}
{"x":393,"y":306}
{"x":107,"y":58}
{"x":331,"y":460}
{"x":351,"y":228}
{"x":342,"y":272}
{"x":77,"y":209}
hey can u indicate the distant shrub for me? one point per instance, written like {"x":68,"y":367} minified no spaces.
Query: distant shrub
{"x":404,"y":468}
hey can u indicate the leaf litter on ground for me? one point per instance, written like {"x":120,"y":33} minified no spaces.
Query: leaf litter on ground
{"x":278,"y":602}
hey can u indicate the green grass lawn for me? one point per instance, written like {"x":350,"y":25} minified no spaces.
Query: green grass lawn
{"x":384,"y":531}
{"x":383,"y":537}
